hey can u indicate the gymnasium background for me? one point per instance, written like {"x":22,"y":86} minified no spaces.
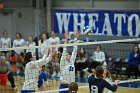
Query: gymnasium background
{"x":36,"y":16}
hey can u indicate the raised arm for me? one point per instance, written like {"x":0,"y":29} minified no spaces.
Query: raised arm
{"x":45,"y":59}
{"x":63,"y":58}
{"x":74,"y":53}
{"x":64,"y":54}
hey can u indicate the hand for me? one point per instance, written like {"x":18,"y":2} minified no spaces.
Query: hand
{"x":77,"y":61}
{"x":48,"y":51}
{"x":117,"y":81}
{"x":76,"y":34}
{"x":135,"y":55}
{"x":66,"y":35}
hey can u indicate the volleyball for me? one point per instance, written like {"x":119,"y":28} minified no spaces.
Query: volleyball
{"x":87,"y":31}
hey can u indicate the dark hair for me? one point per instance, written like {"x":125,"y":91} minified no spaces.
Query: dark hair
{"x":43,"y":66}
{"x":5,"y":32}
{"x":47,"y":36}
{"x":73,"y":87}
{"x":135,"y":47}
{"x":99,"y":46}
{"x":82,"y":54}
{"x":19,"y":34}
{"x":28,"y":57}
{"x":32,"y":39}
{"x":99,"y":72}
{"x":94,"y":64}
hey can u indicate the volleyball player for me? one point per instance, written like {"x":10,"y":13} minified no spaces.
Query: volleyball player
{"x":97,"y":83}
{"x":5,"y":42}
{"x":107,"y":77}
{"x":73,"y":87}
{"x":43,"y":79}
{"x":67,"y":68}
{"x":32,"y":71}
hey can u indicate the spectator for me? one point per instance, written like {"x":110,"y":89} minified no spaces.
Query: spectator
{"x":18,"y":42}
{"x":134,"y":61}
{"x":99,"y":56}
{"x":20,"y":64}
{"x":5,"y":42}
{"x":81,"y":62}
{"x":54,"y":40}
{"x":6,"y":72}
{"x":43,"y":42}
{"x":31,"y":43}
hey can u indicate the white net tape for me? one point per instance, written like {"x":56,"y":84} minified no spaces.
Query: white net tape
{"x":81,"y":87}
{"x":73,"y":44}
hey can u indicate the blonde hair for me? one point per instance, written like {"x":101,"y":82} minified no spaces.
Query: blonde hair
{"x":108,"y":72}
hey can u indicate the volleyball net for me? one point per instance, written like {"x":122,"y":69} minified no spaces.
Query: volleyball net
{"x":116,"y":54}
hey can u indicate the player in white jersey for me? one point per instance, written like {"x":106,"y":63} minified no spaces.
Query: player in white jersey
{"x":5,"y":42}
{"x":67,"y":68}
{"x":107,"y":77}
{"x":31,"y":43}
{"x":42,"y":42}
{"x":54,"y":40}
{"x":32,"y":71}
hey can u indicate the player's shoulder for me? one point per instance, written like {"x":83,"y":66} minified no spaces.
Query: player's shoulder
{"x":91,"y":77}
{"x":30,"y":64}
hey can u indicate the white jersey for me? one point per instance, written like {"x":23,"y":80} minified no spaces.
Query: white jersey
{"x":139,"y":45}
{"x":32,"y":50}
{"x":32,"y":72}
{"x":67,"y":69}
{"x":54,"y":40}
{"x":99,"y":56}
{"x":109,"y":80}
{"x":5,"y":42}
{"x":19,"y":43}
{"x":42,"y":50}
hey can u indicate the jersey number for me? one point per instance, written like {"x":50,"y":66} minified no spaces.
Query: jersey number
{"x":94,"y":89}
{"x":71,"y":68}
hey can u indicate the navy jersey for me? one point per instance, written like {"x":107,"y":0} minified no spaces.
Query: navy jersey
{"x":42,"y":76}
{"x":98,"y":85}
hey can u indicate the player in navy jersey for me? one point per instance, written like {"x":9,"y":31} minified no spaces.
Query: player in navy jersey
{"x":97,"y":83}
{"x":42,"y":80}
